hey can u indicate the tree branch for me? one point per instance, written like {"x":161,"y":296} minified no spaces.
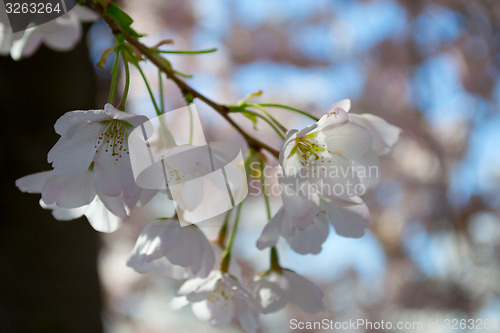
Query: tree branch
{"x":185,"y":88}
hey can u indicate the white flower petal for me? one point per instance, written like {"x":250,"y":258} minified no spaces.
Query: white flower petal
{"x":349,"y":221}
{"x":310,"y":239}
{"x":248,"y":315}
{"x":69,"y":191}
{"x":65,"y":214}
{"x":349,"y":140}
{"x":218,"y":312}
{"x":272,"y":291}
{"x":288,"y":144}
{"x":194,"y":250}
{"x":61,"y":34}
{"x":270,"y":234}
{"x":157,"y":238}
{"x":384,"y":134}
{"x":26,"y":45}
{"x":100,"y":218}
{"x":198,"y":289}
{"x":72,"y":157}
{"x":34,"y":183}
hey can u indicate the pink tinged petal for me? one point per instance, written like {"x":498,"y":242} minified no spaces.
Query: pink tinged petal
{"x":272,"y":291}
{"x":270,"y":234}
{"x":69,"y":191}
{"x":349,"y":140}
{"x":344,"y":104}
{"x":154,"y":242}
{"x":304,"y":293}
{"x":100,"y":218}
{"x":34,"y":183}
{"x":72,"y":157}
{"x":198,"y":289}
{"x":195,"y":251}
{"x":310,"y":239}
{"x":350,"y":221}
{"x":334,"y":118}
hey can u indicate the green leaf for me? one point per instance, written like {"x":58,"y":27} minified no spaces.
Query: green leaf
{"x":123,"y":19}
{"x":252,"y":118}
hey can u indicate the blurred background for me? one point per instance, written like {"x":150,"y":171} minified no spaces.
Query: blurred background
{"x":430,"y":67}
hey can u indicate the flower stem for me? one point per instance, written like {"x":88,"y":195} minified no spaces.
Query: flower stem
{"x":158,"y":111}
{"x":291,"y":109}
{"x":188,"y":52}
{"x":221,"y":238}
{"x":274,"y":120}
{"x":226,"y":256}
{"x":114,"y":78}
{"x":263,"y":118}
{"x":127,"y":85}
{"x":160,"y":89}
{"x":274,"y":261}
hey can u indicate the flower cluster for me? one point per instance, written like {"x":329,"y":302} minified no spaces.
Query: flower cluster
{"x":92,"y":176}
{"x":310,"y":159}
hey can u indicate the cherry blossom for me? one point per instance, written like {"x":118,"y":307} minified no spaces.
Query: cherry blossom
{"x":311,"y":159}
{"x":172,"y":250}
{"x":96,"y":140}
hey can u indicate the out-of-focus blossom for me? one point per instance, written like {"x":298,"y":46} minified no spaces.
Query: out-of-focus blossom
{"x":172,"y":250}
{"x":60,"y":34}
{"x":218,"y":299}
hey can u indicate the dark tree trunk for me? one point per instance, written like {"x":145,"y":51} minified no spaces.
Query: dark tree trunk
{"x":48,"y":268}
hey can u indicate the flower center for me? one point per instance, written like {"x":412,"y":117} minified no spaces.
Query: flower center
{"x":111,"y":139}
{"x":307,"y":148}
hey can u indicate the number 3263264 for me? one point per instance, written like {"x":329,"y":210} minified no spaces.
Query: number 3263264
{"x":32,"y":8}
